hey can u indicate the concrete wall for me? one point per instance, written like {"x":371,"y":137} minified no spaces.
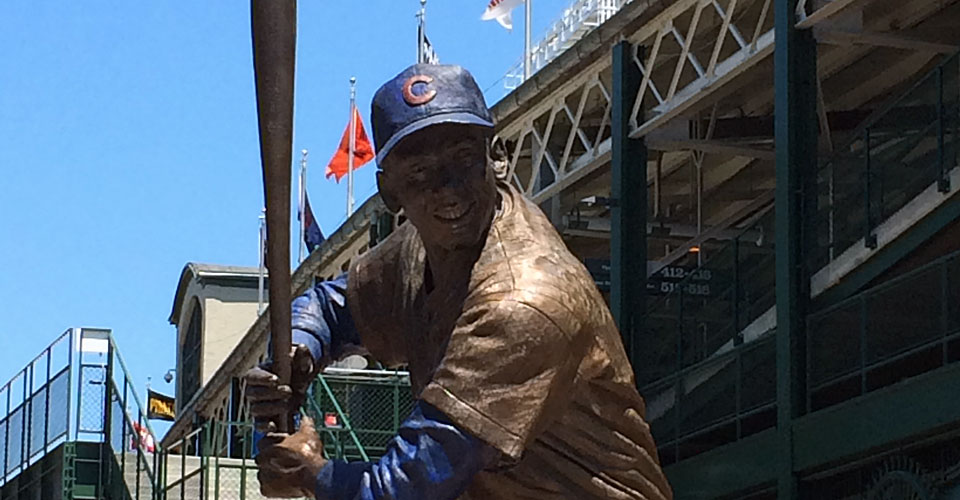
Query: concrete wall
{"x":340,"y":262}
{"x":228,"y":313}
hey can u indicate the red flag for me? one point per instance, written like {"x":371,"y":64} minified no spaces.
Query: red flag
{"x":362,"y":150}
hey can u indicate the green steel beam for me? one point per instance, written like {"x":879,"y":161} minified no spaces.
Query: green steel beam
{"x":921,"y":407}
{"x":892,"y":253}
{"x":733,"y":469}
{"x":628,"y":188}
{"x":795,"y":128}
{"x":900,"y":414}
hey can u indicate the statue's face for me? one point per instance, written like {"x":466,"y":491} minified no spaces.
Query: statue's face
{"x":441,"y":177}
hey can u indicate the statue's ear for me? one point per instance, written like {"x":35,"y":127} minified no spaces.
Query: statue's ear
{"x":497,"y":154}
{"x":387,"y":192}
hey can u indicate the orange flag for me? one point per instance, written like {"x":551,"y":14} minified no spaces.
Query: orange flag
{"x":362,"y":150}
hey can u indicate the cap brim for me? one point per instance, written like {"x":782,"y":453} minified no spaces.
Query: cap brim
{"x":455,"y":117}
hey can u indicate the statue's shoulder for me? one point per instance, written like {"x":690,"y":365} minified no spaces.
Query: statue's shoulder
{"x":527,"y":260}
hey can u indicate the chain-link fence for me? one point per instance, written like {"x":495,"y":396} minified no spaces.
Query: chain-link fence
{"x":358,"y":411}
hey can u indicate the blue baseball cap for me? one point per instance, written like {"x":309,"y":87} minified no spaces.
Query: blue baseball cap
{"x":424,"y":95}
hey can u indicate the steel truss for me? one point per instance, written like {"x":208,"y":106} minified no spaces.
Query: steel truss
{"x":692,"y":50}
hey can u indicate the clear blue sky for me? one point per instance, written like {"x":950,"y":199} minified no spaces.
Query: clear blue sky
{"x":128,"y":146}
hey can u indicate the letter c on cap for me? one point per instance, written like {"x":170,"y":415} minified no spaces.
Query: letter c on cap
{"x":414,"y":99}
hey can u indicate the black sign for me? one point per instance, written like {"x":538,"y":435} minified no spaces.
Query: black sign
{"x":665,"y":281}
{"x":694,"y":281}
{"x":160,"y":406}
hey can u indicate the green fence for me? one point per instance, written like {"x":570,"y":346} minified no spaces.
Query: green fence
{"x":709,"y":372}
{"x":902,"y":149}
{"x":901,"y":328}
{"x":35,"y":409}
{"x":358,"y":411}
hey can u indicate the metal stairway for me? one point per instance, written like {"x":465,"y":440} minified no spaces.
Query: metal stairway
{"x":710,"y":374}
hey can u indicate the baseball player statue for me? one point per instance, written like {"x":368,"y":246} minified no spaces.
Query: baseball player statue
{"x":522,"y":386}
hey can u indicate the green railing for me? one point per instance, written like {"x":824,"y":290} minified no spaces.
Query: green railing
{"x":709,"y":373}
{"x":709,"y":378}
{"x":901,"y":328}
{"x":35,"y":408}
{"x":709,"y":308}
{"x":358,"y":411}
{"x":905,"y":147}
{"x":136,"y":473}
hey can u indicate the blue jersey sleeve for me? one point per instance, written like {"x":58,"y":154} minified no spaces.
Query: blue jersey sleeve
{"x":321,"y":320}
{"x":429,"y":458}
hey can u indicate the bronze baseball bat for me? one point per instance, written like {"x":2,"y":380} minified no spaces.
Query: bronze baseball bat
{"x":274,"y":24}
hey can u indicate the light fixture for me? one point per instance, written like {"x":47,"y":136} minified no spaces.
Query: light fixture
{"x":695,"y":249}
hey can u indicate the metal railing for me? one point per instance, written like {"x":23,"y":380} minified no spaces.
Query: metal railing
{"x":901,"y":150}
{"x":696,"y":373}
{"x":901,"y":328}
{"x":709,"y":376}
{"x":35,"y":408}
{"x":132,"y":442}
{"x":358,"y":411}
{"x":719,"y":401}
{"x":702,"y":310}
{"x":577,"y":20}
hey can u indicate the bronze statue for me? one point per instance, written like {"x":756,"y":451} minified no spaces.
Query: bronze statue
{"x":522,"y":384}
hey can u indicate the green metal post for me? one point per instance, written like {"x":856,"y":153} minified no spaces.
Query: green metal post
{"x":943,"y":180}
{"x":396,"y":403}
{"x":795,"y":127}
{"x":869,"y":238}
{"x":628,"y":190}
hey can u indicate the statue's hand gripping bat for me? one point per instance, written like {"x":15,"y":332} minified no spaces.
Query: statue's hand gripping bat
{"x":274,"y":24}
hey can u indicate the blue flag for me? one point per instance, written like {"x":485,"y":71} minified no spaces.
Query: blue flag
{"x":312,"y":235}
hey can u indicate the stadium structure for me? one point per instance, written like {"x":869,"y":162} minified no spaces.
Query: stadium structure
{"x":766,"y":193}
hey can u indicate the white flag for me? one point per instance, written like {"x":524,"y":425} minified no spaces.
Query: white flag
{"x":500,"y":10}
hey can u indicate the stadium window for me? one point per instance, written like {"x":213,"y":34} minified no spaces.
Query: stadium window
{"x":189,"y":374}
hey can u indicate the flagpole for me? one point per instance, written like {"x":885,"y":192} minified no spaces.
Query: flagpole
{"x":263,"y":229}
{"x":353,"y":138}
{"x":303,"y":191}
{"x":527,"y":55}
{"x":421,"y":32}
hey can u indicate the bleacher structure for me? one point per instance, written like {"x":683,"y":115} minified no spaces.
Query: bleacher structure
{"x":766,"y":193}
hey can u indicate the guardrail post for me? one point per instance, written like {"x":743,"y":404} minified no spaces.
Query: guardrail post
{"x":943,"y":182}
{"x":737,"y":335}
{"x":945,"y":308}
{"x":46,"y":404}
{"x":628,"y":218}
{"x":869,"y":239}
{"x":863,"y":344}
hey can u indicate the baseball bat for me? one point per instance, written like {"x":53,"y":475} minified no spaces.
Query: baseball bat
{"x":274,"y":25}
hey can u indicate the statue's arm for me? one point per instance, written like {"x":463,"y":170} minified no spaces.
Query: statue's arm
{"x":323,"y":323}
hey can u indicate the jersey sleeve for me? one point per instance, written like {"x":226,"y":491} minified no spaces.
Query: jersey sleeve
{"x":321,"y":321}
{"x":508,"y":369}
